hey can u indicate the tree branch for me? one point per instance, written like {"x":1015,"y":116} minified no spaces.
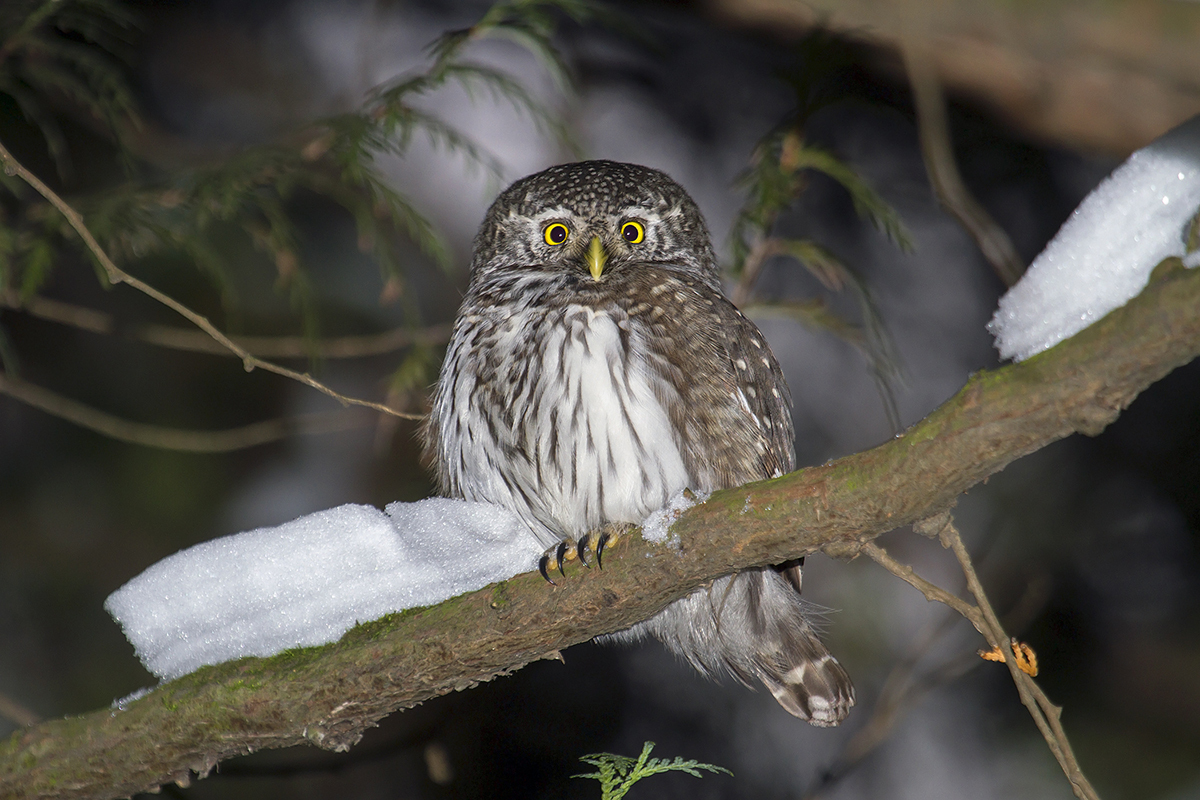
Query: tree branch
{"x":117,"y":275}
{"x":1106,"y":77}
{"x":329,"y":695}
{"x":195,"y":341}
{"x":903,"y":688}
{"x":219,"y":441}
{"x":933,"y":593}
{"x":1045,"y":715}
{"x":934,"y":131}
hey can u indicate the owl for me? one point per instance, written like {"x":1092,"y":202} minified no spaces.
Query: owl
{"x":595,"y":370}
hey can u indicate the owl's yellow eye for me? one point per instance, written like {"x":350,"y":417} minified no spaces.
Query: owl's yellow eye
{"x":633,"y":232}
{"x":556,"y":233}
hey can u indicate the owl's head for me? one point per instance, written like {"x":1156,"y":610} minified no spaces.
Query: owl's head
{"x":596,"y":219}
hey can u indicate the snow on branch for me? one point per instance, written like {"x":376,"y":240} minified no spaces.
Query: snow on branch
{"x":1142,"y":213}
{"x":329,"y":695}
{"x":309,"y":581}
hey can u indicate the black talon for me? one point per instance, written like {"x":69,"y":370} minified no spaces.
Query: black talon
{"x":560,"y":554}
{"x":542,"y":569}
{"x":600,"y":549}
{"x":580,"y":549}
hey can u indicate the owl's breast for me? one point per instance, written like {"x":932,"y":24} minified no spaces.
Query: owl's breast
{"x":601,"y":423}
{"x":560,"y":416}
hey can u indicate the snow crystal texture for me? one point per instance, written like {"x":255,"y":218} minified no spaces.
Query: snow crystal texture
{"x":1104,"y":253}
{"x":657,"y":527}
{"x":309,"y":581}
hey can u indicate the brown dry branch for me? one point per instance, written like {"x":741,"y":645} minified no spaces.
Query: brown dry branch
{"x":1106,"y":77}
{"x":983,"y":617}
{"x":933,"y":593}
{"x":903,"y":688}
{"x":1046,"y":715}
{"x":329,"y":695}
{"x":175,"y":338}
{"x":188,"y":441}
{"x":940,"y":165}
{"x":116,"y":275}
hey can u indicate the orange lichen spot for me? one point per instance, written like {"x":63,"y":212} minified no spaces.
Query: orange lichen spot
{"x":1023,"y":653}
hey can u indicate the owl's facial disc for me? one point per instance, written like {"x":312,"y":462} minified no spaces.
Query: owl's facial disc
{"x":596,"y":258}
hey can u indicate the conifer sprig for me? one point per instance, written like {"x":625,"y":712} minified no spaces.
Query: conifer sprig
{"x":773,"y":183}
{"x":228,"y":211}
{"x":75,"y":51}
{"x":617,"y":774}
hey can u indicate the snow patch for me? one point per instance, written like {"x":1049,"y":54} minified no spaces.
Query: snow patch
{"x":1104,"y":253}
{"x":309,"y":581}
{"x":657,"y":527}
{"x":122,"y":703}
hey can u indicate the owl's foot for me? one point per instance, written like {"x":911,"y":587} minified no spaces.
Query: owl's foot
{"x":570,"y":550}
{"x":595,"y":542}
{"x":558,"y":554}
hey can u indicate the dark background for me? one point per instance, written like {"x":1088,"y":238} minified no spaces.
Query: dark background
{"x":1088,"y":547}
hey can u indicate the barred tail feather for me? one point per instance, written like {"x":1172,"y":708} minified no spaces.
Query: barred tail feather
{"x":819,"y":690}
{"x":754,"y":626}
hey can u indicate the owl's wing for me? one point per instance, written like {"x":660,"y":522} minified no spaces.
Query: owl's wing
{"x":722,"y":387}
{"x":760,"y":380}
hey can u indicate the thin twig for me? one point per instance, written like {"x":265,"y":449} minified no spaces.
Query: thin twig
{"x":932,"y":591}
{"x":116,"y":275}
{"x":934,"y":133}
{"x":88,"y":319}
{"x":1045,"y":714}
{"x":222,"y":441}
{"x":763,"y":249}
{"x":901,"y":691}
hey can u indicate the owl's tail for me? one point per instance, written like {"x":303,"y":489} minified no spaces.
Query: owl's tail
{"x":755,"y":626}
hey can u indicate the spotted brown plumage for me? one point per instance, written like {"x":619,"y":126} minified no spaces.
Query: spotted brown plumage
{"x":596,"y":369}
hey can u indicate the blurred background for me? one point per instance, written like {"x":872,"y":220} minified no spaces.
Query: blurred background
{"x":234,"y":156}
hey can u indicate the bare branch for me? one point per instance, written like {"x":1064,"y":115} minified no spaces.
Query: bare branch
{"x":1045,"y":714}
{"x":222,"y":441}
{"x":932,"y":592}
{"x":984,"y":618}
{"x":903,"y":689}
{"x":88,"y":319}
{"x":947,"y":182}
{"x":117,"y":275}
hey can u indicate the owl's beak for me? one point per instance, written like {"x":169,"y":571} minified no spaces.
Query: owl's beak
{"x":596,"y":258}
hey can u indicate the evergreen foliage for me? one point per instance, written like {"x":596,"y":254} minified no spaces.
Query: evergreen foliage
{"x":234,"y":211}
{"x":225,"y":213}
{"x":775,"y":180}
{"x":334,"y":157}
{"x":75,"y":50}
{"x":618,"y":774}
